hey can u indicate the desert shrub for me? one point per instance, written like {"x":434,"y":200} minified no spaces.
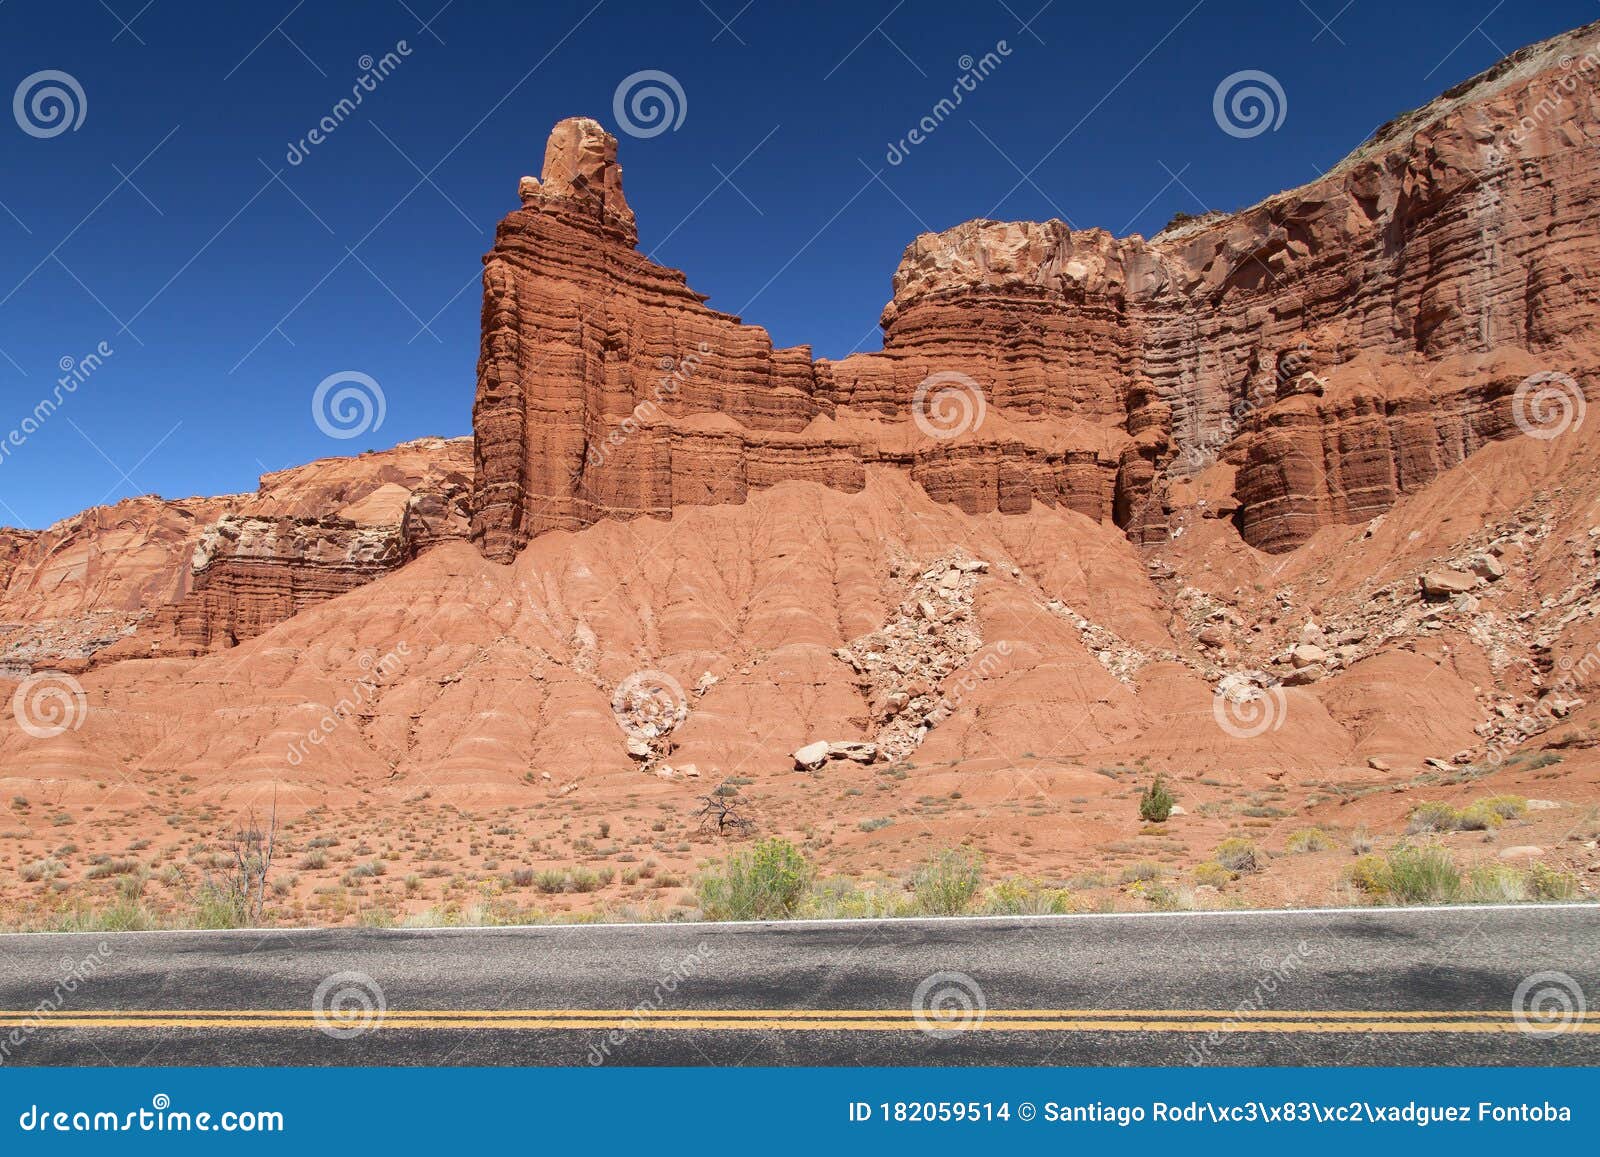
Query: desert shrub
{"x":1157,"y":894}
{"x":1434,"y":816}
{"x":1478,"y":818}
{"x":1017,"y":896}
{"x":1306,"y":840}
{"x":1546,"y":883}
{"x":46,"y":869}
{"x":1369,"y":874}
{"x":214,"y":905}
{"x":581,"y":880}
{"x":946,"y":884}
{"x":1421,"y":875}
{"x":1360,"y":842}
{"x":1239,"y":855}
{"x":840,"y":898}
{"x":767,"y":882}
{"x":1508,"y":807}
{"x":1139,"y":873}
{"x":313,"y":861}
{"x":1481,"y":816}
{"x":123,"y":916}
{"x":520,"y":878}
{"x":1496,"y":884}
{"x":550,"y":880}
{"x":1156,"y":802}
{"x":1212,"y":873}
{"x":108,"y":867}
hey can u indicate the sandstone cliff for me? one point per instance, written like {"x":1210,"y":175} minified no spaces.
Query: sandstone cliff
{"x":1030,"y":362}
{"x":188,"y":575}
{"x":606,"y":388}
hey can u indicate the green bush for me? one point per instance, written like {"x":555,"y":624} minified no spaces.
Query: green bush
{"x":1422,"y":875}
{"x":946,"y":884}
{"x":1156,"y":802}
{"x":217,"y":906}
{"x":766,"y":883}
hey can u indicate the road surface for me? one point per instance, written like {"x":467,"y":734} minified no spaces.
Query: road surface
{"x":1468,"y":985}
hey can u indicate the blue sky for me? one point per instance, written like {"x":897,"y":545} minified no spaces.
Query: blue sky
{"x":228,"y":283}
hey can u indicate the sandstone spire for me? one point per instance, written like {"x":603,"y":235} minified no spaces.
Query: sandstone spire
{"x":581,"y":171}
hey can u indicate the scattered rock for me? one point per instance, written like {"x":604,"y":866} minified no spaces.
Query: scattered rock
{"x":1487,"y":566}
{"x":1441,"y":584}
{"x":1521,"y":851}
{"x":853,"y":750}
{"x":1307,"y":655}
{"x":812,"y":755}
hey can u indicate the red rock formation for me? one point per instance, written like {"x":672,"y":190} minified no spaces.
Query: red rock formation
{"x":1070,"y":367}
{"x":72,"y":594}
{"x":607,"y":388}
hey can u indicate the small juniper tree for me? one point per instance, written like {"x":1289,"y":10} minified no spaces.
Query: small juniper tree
{"x":1155,"y":802}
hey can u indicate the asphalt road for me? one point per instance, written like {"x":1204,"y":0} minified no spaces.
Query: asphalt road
{"x":1416,"y":986}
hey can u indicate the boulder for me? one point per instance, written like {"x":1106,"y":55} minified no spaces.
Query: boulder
{"x":1487,"y":566}
{"x":853,"y":750}
{"x":812,"y":755}
{"x":1441,"y":584}
{"x":1307,"y":654}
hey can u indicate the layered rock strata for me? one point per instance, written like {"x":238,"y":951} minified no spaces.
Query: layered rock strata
{"x":1031,"y":362}
{"x":606,"y":388}
{"x":151,"y":576}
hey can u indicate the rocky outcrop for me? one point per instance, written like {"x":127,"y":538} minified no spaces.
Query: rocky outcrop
{"x":251,"y":571}
{"x":1341,"y":343}
{"x":151,"y":576}
{"x":594,"y":358}
{"x":606,"y":387}
{"x":249,"y":574}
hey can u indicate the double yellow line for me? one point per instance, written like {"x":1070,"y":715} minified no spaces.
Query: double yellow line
{"x":1170,"y":1020}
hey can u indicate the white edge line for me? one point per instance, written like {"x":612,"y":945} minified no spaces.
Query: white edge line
{"x":887,"y":921}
